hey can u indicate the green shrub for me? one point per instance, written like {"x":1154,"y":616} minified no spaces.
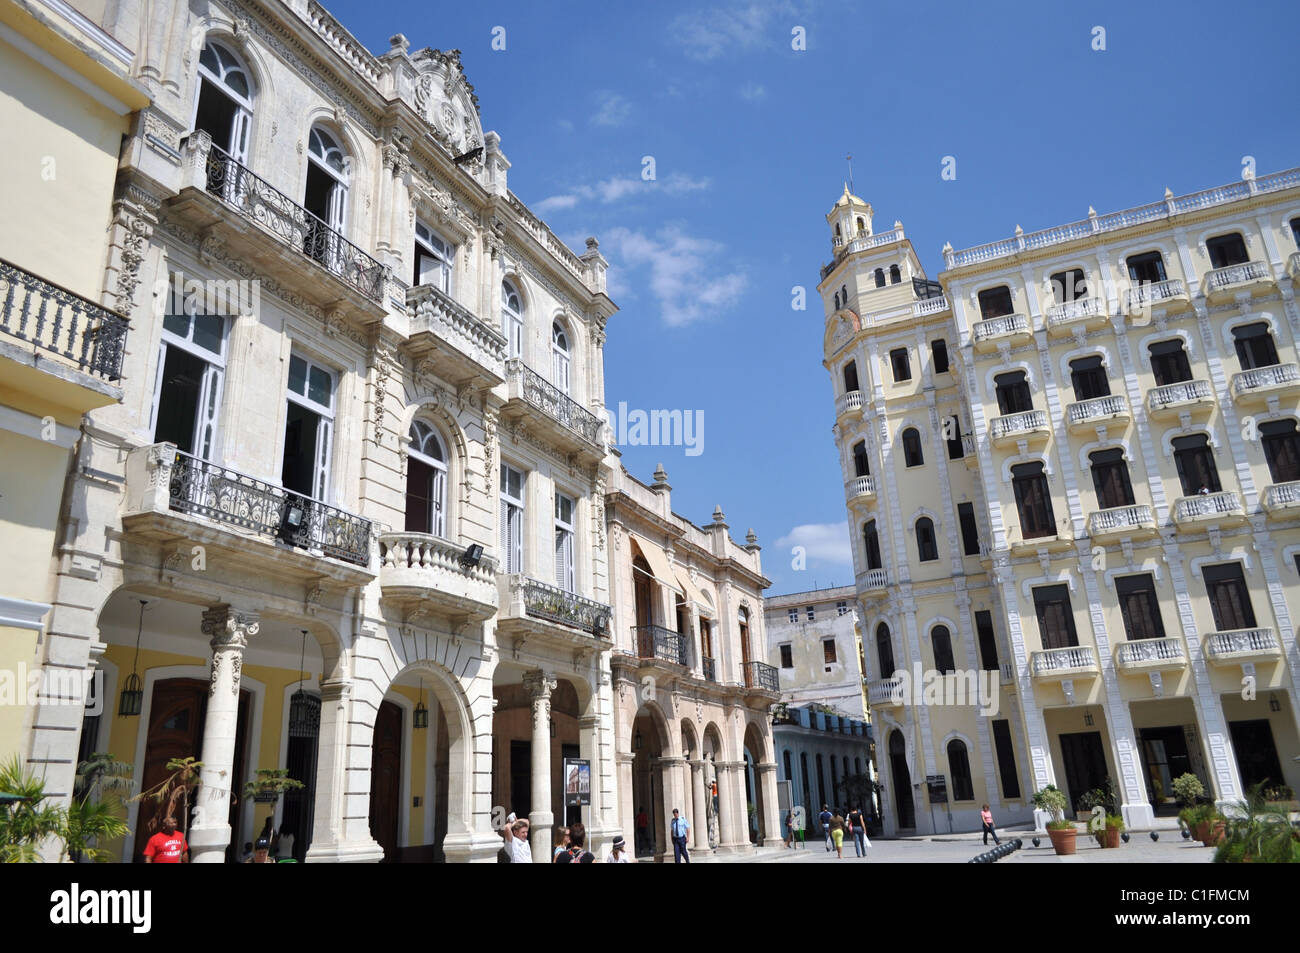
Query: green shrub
{"x":1188,"y":789}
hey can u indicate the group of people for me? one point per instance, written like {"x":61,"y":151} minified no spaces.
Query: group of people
{"x":570,"y":845}
{"x":835,"y":825}
{"x":169,"y":846}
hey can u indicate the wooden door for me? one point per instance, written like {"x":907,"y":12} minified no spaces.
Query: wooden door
{"x":386,"y":779}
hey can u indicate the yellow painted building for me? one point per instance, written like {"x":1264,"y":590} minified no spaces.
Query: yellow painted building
{"x":1071,"y":467}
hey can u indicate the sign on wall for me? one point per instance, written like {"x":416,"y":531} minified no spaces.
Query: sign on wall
{"x":577,"y":782}
{"x":938,"y":785}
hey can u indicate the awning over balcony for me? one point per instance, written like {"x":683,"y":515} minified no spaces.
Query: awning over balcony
{"x":659,"y":565}
{"x":692,"y":591}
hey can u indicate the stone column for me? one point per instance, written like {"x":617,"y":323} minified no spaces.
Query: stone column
{"x":229,"y":630}
{"x":670,"y":772}
{"x":626,"y":807}
{"x":699,"y":811}
{"x":330,"y":841}
{"x":540,"y":818}
{"x":771,"y":823}
{"x":726,"y":807}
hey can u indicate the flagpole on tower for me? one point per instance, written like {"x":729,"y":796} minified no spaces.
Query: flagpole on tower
{"x":849,"y":159}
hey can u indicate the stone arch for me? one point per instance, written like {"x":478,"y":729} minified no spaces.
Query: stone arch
{"x":430,"y":405}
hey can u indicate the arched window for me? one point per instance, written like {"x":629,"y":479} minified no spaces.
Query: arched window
{"x":959,"y":766}
{"x":912,"y":456}
{"x":325,"y":197}
{"x":426,"y":482}
{"x":225,"y":104}
{"x":941,"y":639}
{"x":560,"y":357}
{"x":785,"y":758}
{"x":742,"y":619}
{"x":844,"y":294}
{"x":880,"y":278}
{"x":926,"y":546}
{"x":895,"y":276}
{"x":862,"y":226}
{"x":871,"y":544}
{"x":884,"y":650}
{"x":837,"y":301}
{"x":435,"y":258}
{"x":512,"y":319}
{"x":861,"y":465}
{"x":837,"y":230}
{"x":850,"y":376}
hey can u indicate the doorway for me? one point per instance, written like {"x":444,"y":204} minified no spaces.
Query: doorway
{"x":300,"y":761}
{"x":386,"y":779}
{"x":1256,"y":753}
{"x":1164,"y":758}
{"x":1085,"y":764}
{"x":902,"y":779}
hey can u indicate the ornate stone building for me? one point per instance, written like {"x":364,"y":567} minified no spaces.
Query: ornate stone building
{"x":347,"y":497}
{"x":1071,"y":469}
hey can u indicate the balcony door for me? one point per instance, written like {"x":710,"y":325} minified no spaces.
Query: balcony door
{"x":1281,"y":449}
{"x":1229,"y":598}
{"x":224,"y":109}
{"x":1194,"y":461}
{"x":512,"y":320}
{"x":325,"y":197}
{"x":560,"y":358}
{"x":187,"y":385}
{"x":308,"y":426}
{"x":512,"y":520}
{"x":1110,"y":478}
{"x":565,"y":575}
{"x":426,"y":482}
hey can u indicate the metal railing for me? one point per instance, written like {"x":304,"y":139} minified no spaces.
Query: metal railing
{"x":761,"y":676}
{"x":550,"y":400}
{"x":227,"y":496}
{"x":1150,"y":650}
{"x":1075,"y":658}
{"x":1097,"y":407}
{"x":257,"y":200}
{"x":1239,"y":642}
{"x":1206,"y":504}
{"x":1221,"y":278}
{"x":1002,"y":325}
{"x":52,"y":318}
{"x":543,"y":601}
{"x":710,"y":669}
{"x":656,"y":642}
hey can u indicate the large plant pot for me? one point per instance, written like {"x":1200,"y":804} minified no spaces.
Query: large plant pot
{"x":1216,"y":834}
{"x":1201,"y":832}
{"x":1110,"y":837}
{"x":1063,"y":841}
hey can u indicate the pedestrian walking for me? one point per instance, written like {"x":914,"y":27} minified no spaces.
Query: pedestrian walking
{"x":642,"y":829}
{"x":577,"y":852}
{"x":789,"y":829}
{"x":680,"y":828}
{"x":986,"y":816}
{"x":837,"y":834}
{"x":619,"y":853}
{"x":825,"y":818}
{"x":858,"y":828}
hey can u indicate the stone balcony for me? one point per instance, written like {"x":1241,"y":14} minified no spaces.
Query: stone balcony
{"x":970,"y":451}
{"x":1030,"y":425}
{"x":885,"y":693}
{"x":1170,"y":294}
{"x":1151,"y":655}
{"x":860,"y":489}
{"x":928,"y":306}
{"x":1259,"y":384}
{"x":530,"y":608}
{"x":459,"y":345}
{"x":421,"y":572}
{"x":873,"y":581}
{"x":1121,"y":521}
{"x":272,"y":531}
{"x":1010,"y":329}
{"x":848,"y":406}
{"x":1238,"y":646}
{"x":1282,"y":500}
{"x":1172,"y":400}
{"x":568,"y":425}
{"x":1222,"y":284}
{"x":1086,"y":313}
{"x":241,"y":215}
{"x":1085,"y":415}
{"x":1207,"y":508}
{"x":1074,"y":662}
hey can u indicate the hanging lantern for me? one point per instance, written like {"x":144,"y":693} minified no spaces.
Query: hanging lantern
{"x":304,"y":708}
{"x":420,"y":717}
{"x":132,"y":699}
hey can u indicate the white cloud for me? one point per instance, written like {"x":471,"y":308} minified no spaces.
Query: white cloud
{"x":566,"y":125}
{"x":753,"y":92}
{"x":554,"y":203}
{"x":822,"y":542}
{"x":709,"y":34}
{"x":611,"y":109}
{"x":685,"y":276}
{"x":617,"y":188}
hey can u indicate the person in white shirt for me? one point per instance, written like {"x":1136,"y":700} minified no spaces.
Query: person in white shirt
{"x":520,"y":852}
{"x":619,"y":854}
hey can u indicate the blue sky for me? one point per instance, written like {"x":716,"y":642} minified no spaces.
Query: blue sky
{"x":749,"y":138}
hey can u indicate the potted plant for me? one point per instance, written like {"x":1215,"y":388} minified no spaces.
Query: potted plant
{"x":1089,"y":800}
{"x":1258,"y":833}
{"x":1053,"y":802}
{"x":1108,"y":836}
{"x":1188,"y":790}
{"x":1063,"y":836}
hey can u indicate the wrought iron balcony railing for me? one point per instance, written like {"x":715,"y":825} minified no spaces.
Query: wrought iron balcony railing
{"x":54,"y":319}
{"x":227,"y":496}
{"x":554,"y":403}
{"x":656,"y":642}
{"x":258,"y":201}
{"x":543,"y":601}
{"x":762,"y":677}
{"x":710,"y":669}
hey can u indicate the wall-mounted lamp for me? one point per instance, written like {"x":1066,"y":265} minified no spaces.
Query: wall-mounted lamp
{"x":471,"y":556}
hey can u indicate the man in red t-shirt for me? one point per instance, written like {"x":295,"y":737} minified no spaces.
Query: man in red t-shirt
{"x":167,"y":846}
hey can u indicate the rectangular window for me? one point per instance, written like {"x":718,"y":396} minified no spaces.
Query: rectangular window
{"x":1055,"y":617}
{"x":1229,"y":599}
{"x":1033,"y":501}
{"x":811,"y":613}
{"x":1089,"y":378}
{"x":970,"y":534}
{"x":1068,"y":286}
{"x":564,"y":560}
{"x":901,"y":364}
{"x":841,"y":608}
{"x":1194,"y":461}
{"x":927,"y":547}
{"x":787,"y":656}
{"x":512,"y":520}
{"x":1146,"y":268}
{"x":952,"y":427}
{"x":850,"y":377}
{"x":187,"y":388}
{"x":995,"y":302}
{"x":861,"y":466}
{"x":939,"y":354}
{"x":1255,"y":347}
{"x":1110,"y":479}
{"x":435,"y":258}
{"x":1013,"y":393}
{"x":1139,"y":608}
{"x":828,"y":651}
{"x":793,"y":615}
{"x":1226,"y":250}
{"x":1006,"y":759}
{"x":1169,"y":362}
{"x":1281,"y":449}
{"x":308,"y":426}
{"x":987,"y":639}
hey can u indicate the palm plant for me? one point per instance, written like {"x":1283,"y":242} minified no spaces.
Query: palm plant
{"x":1258,"y":833}
{"x":176,"y":787}
{"x":101,"y":782}
{"x":25,"y":823}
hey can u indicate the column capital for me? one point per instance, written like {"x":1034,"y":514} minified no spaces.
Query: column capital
{"x":228,"y":627}
{"x":539,"y":684}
